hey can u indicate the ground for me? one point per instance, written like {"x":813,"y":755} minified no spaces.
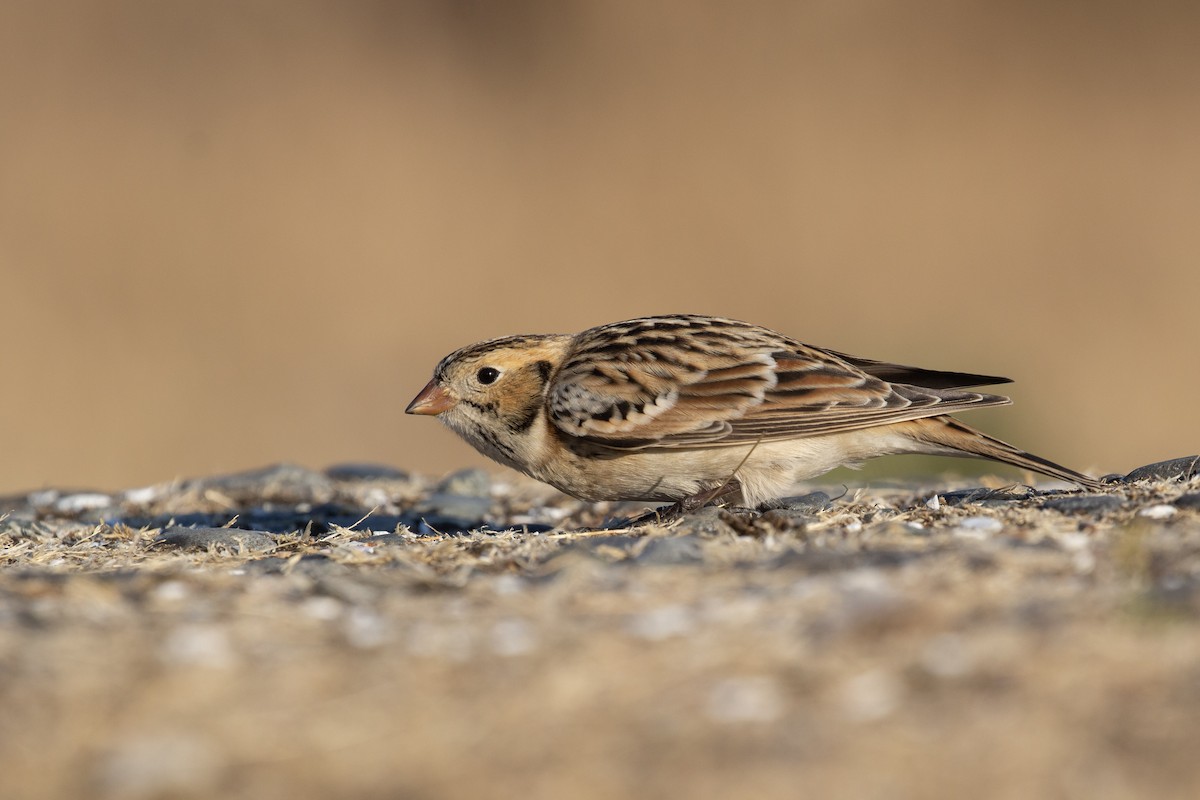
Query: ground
{"x":931,"y":641}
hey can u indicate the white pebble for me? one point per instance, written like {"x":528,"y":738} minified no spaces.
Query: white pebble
{"x":871,"y":696}
{"x":1075,"y":541}
{"x":322,"y":608}
{"x":978,"y":527}
{"x":171,"y":592}
{"x":934,"y":503}
{"x":662,"y":623}
{"x":1161,"y":511}
{"x":366,"y":629}
{"x":85,"y":501}
{"x":513,"y":637}
{"x":745,"y":699}
{"x":508,"y":584}
{"x":200,"y":646}
{"x":145,"y":495}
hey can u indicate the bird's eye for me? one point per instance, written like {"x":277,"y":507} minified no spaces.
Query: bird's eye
{"x":487,"y":375}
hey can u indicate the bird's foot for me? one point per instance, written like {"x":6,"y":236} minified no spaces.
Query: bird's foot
{"x":668,"y":514}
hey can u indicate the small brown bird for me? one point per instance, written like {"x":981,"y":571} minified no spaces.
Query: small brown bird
{"x":684,"y":408}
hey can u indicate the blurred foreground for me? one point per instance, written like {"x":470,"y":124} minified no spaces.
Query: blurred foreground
{"x":904,"y":643}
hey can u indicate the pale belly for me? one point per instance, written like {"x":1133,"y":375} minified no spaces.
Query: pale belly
{"x":765,"y":471}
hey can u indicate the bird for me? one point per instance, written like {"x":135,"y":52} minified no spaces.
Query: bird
{"x":691,"y":409}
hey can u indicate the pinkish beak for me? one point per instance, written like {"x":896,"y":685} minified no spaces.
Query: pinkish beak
{"x":432,"y":401}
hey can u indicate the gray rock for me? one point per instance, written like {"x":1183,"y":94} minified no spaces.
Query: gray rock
{"x":1081,"y":504}
{"x":706,"y":522}
{"x":279,"y":483}
{"x":671,"y":551}
{"x":982,"y":497}
{"x":466,"y":482}
{"x":365,"y":472}
{"x":1190,"y":501}
{"x":468,"y":509}
{"x":811,"y":502}
{"x":204,"y":538}
{"x":1176,"y":469}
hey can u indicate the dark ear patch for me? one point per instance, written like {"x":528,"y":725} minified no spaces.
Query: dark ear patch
{"x":544,"y":368}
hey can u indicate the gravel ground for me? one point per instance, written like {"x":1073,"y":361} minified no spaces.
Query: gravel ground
{"x":361,"y":632}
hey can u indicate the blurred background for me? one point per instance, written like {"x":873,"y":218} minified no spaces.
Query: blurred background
{"x":234,"y":233}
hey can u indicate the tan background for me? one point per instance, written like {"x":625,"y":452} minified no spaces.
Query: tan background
{"x":238,"y":233}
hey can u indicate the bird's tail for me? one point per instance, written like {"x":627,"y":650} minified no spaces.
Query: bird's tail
{"x":948,"y":436}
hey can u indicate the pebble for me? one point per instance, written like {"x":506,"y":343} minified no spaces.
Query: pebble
{"x":83,"y":501}
{"x":171,"y":591}
{"x":671,"y":551}
{"x":365,"y":472}
{"x":204,"y":538}
{"x":871,"y":696}
{"x":708,"y":522}
{"x":1086,"y":503}
{"x":512,"y":637}
{"x":145,"y":495}
{"x":1189,"y":501}
{"x":278,"y":483}
{"x":946,"y":656}
{"x":465,"y":511}
{"x":981,"y":496}
{"x":1175,"y":469}
{"x":752,"y":698}
{"x":365,"y":629}
{"x":1160,"y":511}
{"x":321,"y":608}
{"x":664,"y":622}
{"x":978,"y":527}
{"x":200,"y":646}
{"x":465,"y":482}
{"x":811,"y":502}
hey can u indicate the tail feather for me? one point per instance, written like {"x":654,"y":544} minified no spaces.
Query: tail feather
{"x":950,"y":437}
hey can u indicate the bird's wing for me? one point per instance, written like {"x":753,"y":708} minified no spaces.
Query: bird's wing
{"x":685,"y":382}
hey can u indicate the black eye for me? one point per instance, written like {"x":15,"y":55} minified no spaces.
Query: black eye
{"x":487,"y":375}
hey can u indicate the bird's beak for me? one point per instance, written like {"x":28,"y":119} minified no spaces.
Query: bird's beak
{"x":432,"y":401}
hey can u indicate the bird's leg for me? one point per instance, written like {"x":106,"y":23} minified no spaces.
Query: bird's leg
{"x":666,"y":514}
{"x":714,"y":495}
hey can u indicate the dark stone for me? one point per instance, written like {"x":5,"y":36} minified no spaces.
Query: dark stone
{"x":704,"y":522}
{"x":983,"y":497}
{"x":204,"y":538}
{"x":811,"y":502}
{"x":385,"y":538}
{"x":434,"y":524}
{"x":271,"y":565}
{"x":365,"y":472}
{"x":1189,"y":501}
{"x":1085,"y":503}
{"x":1176,"y":469}
{"x":671,"y":551}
